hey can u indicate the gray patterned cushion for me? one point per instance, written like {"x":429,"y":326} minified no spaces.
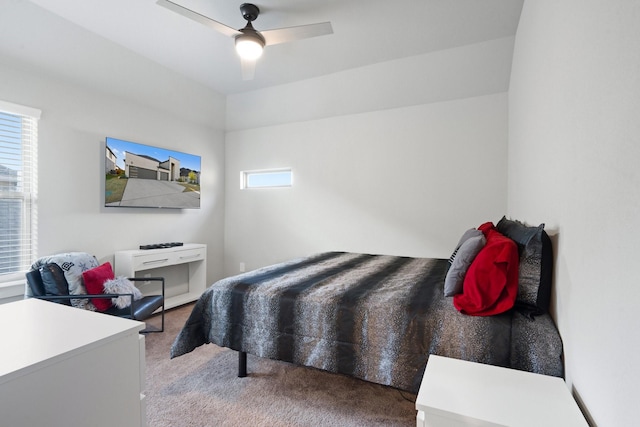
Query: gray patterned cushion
{"x":73,"y":264}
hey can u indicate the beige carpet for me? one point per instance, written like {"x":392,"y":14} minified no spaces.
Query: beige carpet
{"x":202,"y":389}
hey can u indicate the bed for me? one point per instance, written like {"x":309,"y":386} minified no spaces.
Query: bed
{"x":373,"y":317}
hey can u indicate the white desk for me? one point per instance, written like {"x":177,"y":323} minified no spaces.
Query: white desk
{"x":457,"y":393}
{"x":166,"y":262}
{"x":64,"y":366}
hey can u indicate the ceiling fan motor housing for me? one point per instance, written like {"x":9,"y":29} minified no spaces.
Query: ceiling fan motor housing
{"x":249,"y":11}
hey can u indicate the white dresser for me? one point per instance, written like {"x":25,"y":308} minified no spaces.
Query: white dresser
{"x":456,"y":393}
{"x":63,"y":366}
{"x":183,"y":267}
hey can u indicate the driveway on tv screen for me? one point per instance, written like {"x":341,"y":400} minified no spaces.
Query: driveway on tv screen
{"x":162,"y":194}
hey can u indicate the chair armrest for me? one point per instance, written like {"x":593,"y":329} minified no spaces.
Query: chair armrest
{"x":86,"y":296}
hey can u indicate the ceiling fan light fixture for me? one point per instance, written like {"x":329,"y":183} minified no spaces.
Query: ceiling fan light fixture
{"x":249,"y":42}
{"x":249,"y":46}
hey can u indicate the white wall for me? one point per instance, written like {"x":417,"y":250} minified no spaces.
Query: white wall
{"x":406,"y":181}
{"x":154,"y":106}
{"x":574,"y":105}
{"x":397,"y":158}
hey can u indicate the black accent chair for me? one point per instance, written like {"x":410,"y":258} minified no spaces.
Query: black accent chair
{"x":139,"y":310}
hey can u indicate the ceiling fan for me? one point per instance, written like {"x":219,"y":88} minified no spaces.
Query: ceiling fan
{"x":249,"y":42}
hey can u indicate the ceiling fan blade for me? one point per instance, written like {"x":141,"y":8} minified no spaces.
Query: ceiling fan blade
{"x":181,"y":10}
{"x":283,"y":35}
{"x":248,"y":68}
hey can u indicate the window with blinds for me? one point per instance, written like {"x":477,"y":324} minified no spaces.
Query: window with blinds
{"x":18,"y":189}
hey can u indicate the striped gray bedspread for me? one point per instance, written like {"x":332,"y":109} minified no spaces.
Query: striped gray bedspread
{"x":374,"y":317}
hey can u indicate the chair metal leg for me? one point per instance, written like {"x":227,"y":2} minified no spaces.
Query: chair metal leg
{"x":161,"y":280}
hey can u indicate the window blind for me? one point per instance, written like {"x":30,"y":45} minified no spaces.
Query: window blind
{"x":18,"y":188}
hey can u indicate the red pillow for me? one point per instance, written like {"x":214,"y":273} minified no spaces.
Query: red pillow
{"x":491,"y":283}
{"x":94,"y":282}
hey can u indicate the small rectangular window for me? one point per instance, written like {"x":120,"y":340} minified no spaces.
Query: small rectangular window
{"x":266,"y":178}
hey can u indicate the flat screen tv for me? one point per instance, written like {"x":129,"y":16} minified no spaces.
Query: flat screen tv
{"x":144,"y":176}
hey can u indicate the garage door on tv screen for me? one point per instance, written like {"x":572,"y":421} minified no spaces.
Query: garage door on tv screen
{"x":144,"y":176}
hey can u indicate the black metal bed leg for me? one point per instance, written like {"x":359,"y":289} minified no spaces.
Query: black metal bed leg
{"x":242,"y":364}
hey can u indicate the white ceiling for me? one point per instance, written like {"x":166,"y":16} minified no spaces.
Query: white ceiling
{"x":365,"y":32}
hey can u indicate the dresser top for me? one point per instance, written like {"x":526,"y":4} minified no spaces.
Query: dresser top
{"x":35,"y":333}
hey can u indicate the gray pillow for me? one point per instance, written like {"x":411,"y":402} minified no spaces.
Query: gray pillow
{"x":472,"y":232}
{"x":54,"y":282}
{"x":463,"y":258}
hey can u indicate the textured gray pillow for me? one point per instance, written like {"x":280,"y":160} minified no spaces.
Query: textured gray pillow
{"x":121,"y":285}
{"x":535,"y":270}
{"x":463,"y":258}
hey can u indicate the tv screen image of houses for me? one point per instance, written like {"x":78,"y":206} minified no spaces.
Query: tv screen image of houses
{"x":145,"y":176}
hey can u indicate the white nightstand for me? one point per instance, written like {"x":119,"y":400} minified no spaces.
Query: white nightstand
{"x":457,"y":393}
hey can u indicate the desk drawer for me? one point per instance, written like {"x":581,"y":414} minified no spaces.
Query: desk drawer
{"x":189,"y":255}
{"x":146,"y":262}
